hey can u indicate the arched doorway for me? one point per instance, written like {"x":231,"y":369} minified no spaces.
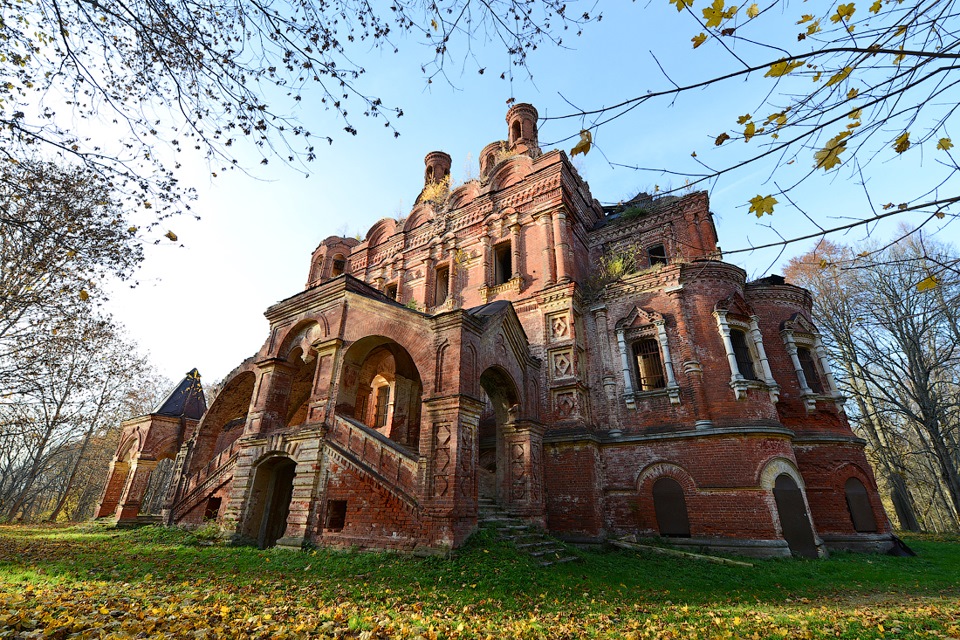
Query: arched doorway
{"x":501,"y":403}
{"x":794,"y":520}
{"x":270,"y":501}
{"x":858,"y":503}
{"x":671,"y":508}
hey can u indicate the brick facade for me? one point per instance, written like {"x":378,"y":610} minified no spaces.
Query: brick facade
{"x":483,"y":346}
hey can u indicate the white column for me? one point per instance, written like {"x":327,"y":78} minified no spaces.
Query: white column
{"x":672,"y":386}
{"x":721,"y":317}
{"x":762,"y":354}
{"x":827,"y":371}
{"x":625,"y":362}
{"x":805,"y":391}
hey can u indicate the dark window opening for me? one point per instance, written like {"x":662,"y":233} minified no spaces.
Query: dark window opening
{"x":429,"y":174}
{"x":742,"y":353}
{"x":671,"y":508}
{"x":383,"y":402}
{"x":443,"y":284}
{"x":858,"y":502}
{"x":517,"y":130}
{"x":649,"y":365}
{"x":391,"y":291}
{"x":502,"y":263}
{"x":212,"y":509}
{"x":339,"y":265}
{"x":336,"y":514}
{"x":657,"y":254}
{"x":809,"y":370}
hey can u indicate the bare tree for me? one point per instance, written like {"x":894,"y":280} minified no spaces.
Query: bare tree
{"x":834,"y":91}
{"x":71,"y":390}
{"x":178,"y":75}
{"x":889,"y":314}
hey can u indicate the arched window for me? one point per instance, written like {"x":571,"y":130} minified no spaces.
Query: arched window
{"x":741,"y":350}
{"x":858,"y":502}
{"x":339,"y":265}
{"x":516,"y":131}
{"x":671,"y":508}
{"x":809,"y":368}
{"x":648,"y":365}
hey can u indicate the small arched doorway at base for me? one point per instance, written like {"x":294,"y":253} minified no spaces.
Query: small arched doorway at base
{"x":794,"y":520}
{"x":270,"y":501}
{"x":501,"y":405}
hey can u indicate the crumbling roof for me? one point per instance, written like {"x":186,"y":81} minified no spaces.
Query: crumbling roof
{"x":186,"y":400}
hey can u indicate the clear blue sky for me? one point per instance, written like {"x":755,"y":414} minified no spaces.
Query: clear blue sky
{"x":202,"y":305}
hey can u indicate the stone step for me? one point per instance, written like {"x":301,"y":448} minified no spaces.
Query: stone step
{"x":563,"y":560}
{"x":533,"y":545}
{"x":545,"y":552}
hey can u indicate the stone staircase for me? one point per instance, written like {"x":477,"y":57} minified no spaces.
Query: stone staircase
{"x":529,"y":539}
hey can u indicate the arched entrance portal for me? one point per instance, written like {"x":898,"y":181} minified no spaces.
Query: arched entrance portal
{"x":794,"y":520}
{"x":501,"y":407}
{"x":270,"y":501}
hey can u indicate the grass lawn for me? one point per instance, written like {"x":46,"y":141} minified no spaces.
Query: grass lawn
{"x":65,"y":582}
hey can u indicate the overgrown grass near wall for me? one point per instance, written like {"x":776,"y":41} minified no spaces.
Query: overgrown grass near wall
{"x":151,"y":582}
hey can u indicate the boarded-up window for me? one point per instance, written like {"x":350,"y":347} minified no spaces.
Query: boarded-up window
{"x":383,"y":403}
{"x":794,"y":521}
{"x":671,"y":508}
{"x":336,"y":514}
{"x":502,"y":264}
{"x":809,"y":370}
{"x":443,"y":284}
{"x":657,"y":254}
{"x":742,"y":353}
{"x":649,"y":365}
{"x":858,"y":502}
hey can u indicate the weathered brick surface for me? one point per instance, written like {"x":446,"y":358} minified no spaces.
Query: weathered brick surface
{"x":476,"y":334}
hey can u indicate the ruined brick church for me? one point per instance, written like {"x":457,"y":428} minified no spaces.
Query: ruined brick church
{"x":598,"y":371}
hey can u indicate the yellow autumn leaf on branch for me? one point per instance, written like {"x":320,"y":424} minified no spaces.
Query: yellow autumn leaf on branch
{"x":840,"y":76}
{"x":171,"y":236}
{"x":713,"y":14}
{"x":744,"y":119}
{"x":829,"y":157}
{"x":844,"y":12}
{"x":928,"y":283}
{"x":902,"y":143}
{"x":876,"y":6}
{"x":853,"y":93}
{"x":586,"y":140}
{"x":723,"y":137}
{"x":945,"y":144}
{"x":84,"y":295}
{"x":753,"y":11}
{"x":749,"y":131}
{"x":682,"y":4}
{"x":813,"y":28}
{"x":805,"y":18}
{"x":762,"y":204}
{"x":782,"y":68}
{"x":698,"y":40}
